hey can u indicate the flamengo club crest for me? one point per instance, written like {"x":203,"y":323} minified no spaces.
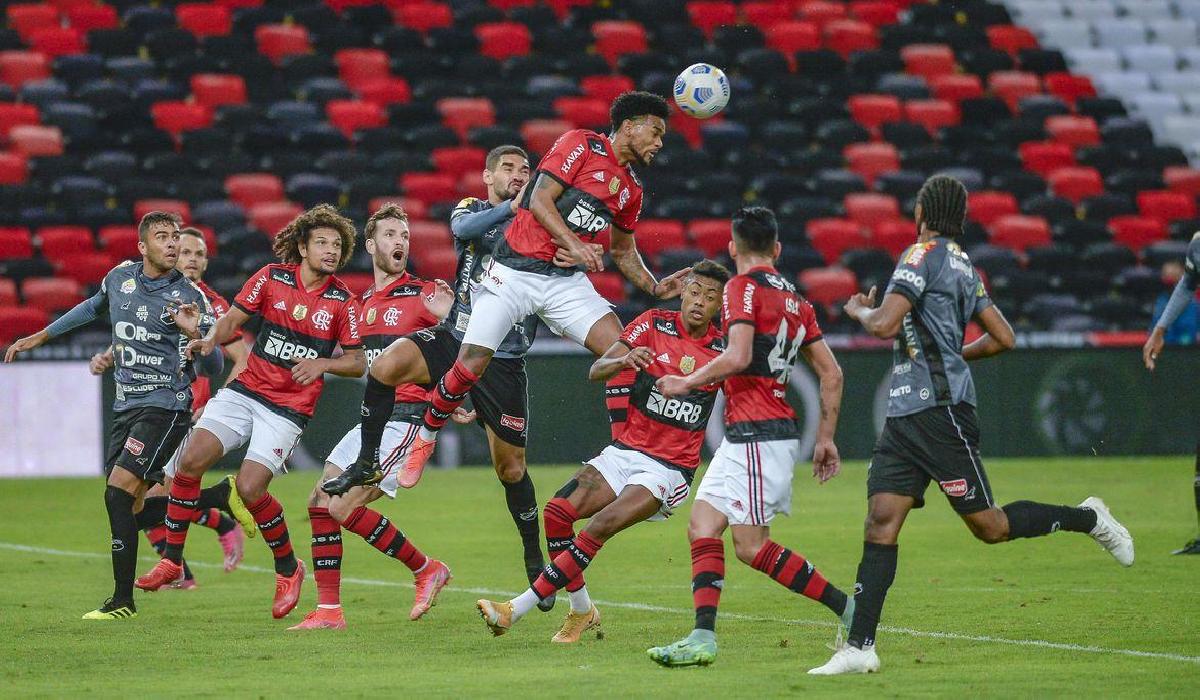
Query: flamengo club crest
{"x":321,"y":319}
{"x":391,"y":317}
{"x":299,"y":312}
{"x":687,"y":363}
{"x":370,"y":316}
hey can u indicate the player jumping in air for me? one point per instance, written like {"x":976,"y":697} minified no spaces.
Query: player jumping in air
{"x":647,"y":471}
{"x":585,"y":186}
{"x":931,"y":432}
{"x":749,"y":480}
{"x":306,"y":313}
{"x":151,"y":414}
{"x":397,"y":304}
{"x":1185,"y":290}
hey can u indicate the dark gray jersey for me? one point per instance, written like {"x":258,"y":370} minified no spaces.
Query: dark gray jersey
{"x":1185,"y":290}
{"x":946,"y":292}
{"x":475,"y":239}
{"x":150,"y":367}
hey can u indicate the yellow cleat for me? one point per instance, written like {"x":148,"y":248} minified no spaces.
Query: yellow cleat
{"x":112,"y":611}
{"x":239,"y":510}
{"x":498,"y":616}
{"x":576,"y":624}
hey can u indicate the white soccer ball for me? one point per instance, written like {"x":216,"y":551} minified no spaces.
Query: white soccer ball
{"x":701,"y":90}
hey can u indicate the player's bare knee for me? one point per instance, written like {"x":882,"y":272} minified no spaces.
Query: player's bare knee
{"x":340,"y":508}
{"x":989,"y":526}
{"x":746,"y":551}
{"x":250,"y":491}
{"x":881,"y":528}
{"x":509,"y":468}
{"x":318,"y":498}
{"x":475,"y":358}
{"x":602,"y":525}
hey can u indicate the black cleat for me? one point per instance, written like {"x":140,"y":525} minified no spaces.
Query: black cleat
{"x":1192,"y":547}
{"x":533,"y":569}
{"x":361,"y":473}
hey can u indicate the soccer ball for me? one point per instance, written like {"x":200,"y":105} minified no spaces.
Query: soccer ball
{"x":701,"y":90}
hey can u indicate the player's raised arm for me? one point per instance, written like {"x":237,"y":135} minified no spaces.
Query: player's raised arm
{"x":997,"y":336}
{"x":826,"y":462}
{"x":739,"y":349}
{"x":884,"y":321}
{"x":81,"y":314}
{"x":629,"y":261}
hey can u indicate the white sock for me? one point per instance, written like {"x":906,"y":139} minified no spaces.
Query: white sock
{"x":426,"y":434}
{"x":581,"y":602}
{"x":524,"y":603}
{"x":330,"y":607}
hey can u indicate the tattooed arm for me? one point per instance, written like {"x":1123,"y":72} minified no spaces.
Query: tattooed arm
{"x":826,"y":462}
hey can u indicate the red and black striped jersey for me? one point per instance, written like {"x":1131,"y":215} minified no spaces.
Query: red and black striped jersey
{"x":392,"y":313}
{"x":202,"y":387}
{"x":756,"y":405}
{"x":669,"y":430}
{"x":296,"y":325}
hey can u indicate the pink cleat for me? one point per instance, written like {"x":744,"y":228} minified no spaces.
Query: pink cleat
{"x":164,"y":572}
{"x":287,"y":591}
{"x":432,"y":579}
{"x":231,"y":544}
{"x":418,"y":454}
{"x":183,"y":584}
{"x":322,"y":619}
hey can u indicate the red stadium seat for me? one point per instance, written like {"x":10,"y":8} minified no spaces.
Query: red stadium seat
{"x":459,"y":160}
{"x":1020,"y":232}
{"x":85,"y":268}
{"x":471,"y":185}
{"x":928,"y":60}
{"x":120,"y":241}
{"x":656,"y":235}
{"x":16,"y":114}
{"x":540,"y":134}
{"x":15,"y":243}
{"x":832,"y":237}
{"x":846,"y":36}
{"x":238,"y":4}
{"x":8,"y":293}
{"x":385,"y":91}
{"x":872,"y":111}
{"x":358,"y":66}
{"x":51,"y":294}
{"x":869,"y":209}
{"x":437,"y":263}
{"x":501,"y":40}
{"x":765,"y":14}
{"x":271,"y":217}
{"x":871,"y":159}
{"x":465,"y":113}
{"x":21,"y":321}
{"x":174,"y":206}
{"x":85,"y":18}
{"x":828,"y":286}
{"x":789,"y":37}
{"x":358,"y":282}
{"x":956,"y":87}
{"x":176,"y":116}
{"x":1166,"y":206}
{"x":34,"y":141}
{"x":423,"y":16}
{"x":1011,"y":86}
{"x":707,"y":15}
{"x":710,"y":235}
{"x":20,"y":67}
{"x":430,"y":188}
{"x":275,"y":41}
{"x":1076,"y":183}
{"x":203,"y":19}
{"x":348,"y":116}
{"x":605,"y":88}
{"x":1043,"y":157}
{"x":1069,"y":87}
{"x":1136,"y":232}
{"x":894,"y":236}
{"x":58,"y":242}
{"x":58,"y":41}
{"x":1010,"y":38}
{"x":610,"y":285}
{"x":985,"y":207}
{"x":877,"y":13}
{"x":687,"y":126}
{"x":932,"y":114}
{"x":615,"y":38}
{"x":1073,"y":130}
{"x":430,"y":234}
{"x":1181,"y":178}
{"x":27,"y":18}
{"x":822,"y":12}
{"x":248,"y":189}
{"x":583,"y":112}
{"x":415,"y":208}
{"x":216,"y":89}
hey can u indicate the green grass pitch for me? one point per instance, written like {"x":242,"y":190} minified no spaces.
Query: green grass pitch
{"x":1047,"y":617}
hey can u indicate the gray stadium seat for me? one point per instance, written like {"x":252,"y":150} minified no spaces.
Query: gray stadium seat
{"x":1119,"y":33}
{"x":1179,"y":83}
{"x":1094,"y":60}
{"x":1031,"y":13}
{"x":1155,"y":58}
{"x":1064,"y":34}
{"x":1147,"y":9}
{"x":1189,"y":9}
{"x":1092,"y":10}
{"x":1123,"y":83}
{"x":1180,"y":33}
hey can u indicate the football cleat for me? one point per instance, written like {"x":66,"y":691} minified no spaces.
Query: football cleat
{"x":414,"y":465}
{"x":164,"y":573}
{"x":183,"y":584}
{"x":231,"y":545}
{"x":576,"y":624}
{"x":287,"y":591}
{"x":432,"y":579}
{"x":322,"y":619}
{"x":849,"y":659}
{"x":685,"y":652}
{"x":1192,"y":547}
{"x":1111,"y":534}
{"x":498,"y":616}
{"x":239,"y":511}
{"x":112,"y":611}
{"x":361,"y":473}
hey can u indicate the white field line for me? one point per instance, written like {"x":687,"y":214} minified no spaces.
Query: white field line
{"x":927,"y":634}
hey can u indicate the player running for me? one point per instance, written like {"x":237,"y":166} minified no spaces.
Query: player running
{"x":585,"y":186}
{"x":931,"y":432}
{"x":151,"y":414}
{"x":1184,"y":291}
{"x":501,"y":398}
{"x":398,"y":303}
{"x":749,"y":480}
{"x":306,"y":313}
{"x":645,"y":473}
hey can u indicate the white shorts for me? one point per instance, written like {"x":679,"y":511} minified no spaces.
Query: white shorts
{"x":570,"y":306}
{"x":621,"y":468}
{"x":397,"y":436}
{"x":751,"y":482}
{"x":172,"y":464}
{"x":236,"y":418}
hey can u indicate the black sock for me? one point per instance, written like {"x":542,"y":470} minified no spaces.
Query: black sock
{"x":523,"y":506}
{"x":876,"y":572}
{"x":215,"y":496}
{"x":187,"y":572}
{"x":1196,"y":483}
{"x":1029,"y":519}
{"x":378,"y":401}
{"x":123,"y":526}
{"x":154,"y":512}
{"x":225,"y":524}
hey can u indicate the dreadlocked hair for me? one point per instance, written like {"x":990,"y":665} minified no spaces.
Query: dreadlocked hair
{"x":943,"y":201}
{"x":287,"y":242}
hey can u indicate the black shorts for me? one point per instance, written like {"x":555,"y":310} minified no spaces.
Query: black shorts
{"x":939,"y":444}
{"x":143,"y":440}
{"x":501,"y":398}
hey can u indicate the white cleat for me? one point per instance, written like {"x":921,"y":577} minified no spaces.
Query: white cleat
{"x":849,"y":659}
{"x":1111,"y":534}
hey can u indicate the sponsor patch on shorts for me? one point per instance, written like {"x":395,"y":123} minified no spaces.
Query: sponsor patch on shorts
{"x":512,"y":422}
{"x":134,"y":447}
{"x":954,"y":489}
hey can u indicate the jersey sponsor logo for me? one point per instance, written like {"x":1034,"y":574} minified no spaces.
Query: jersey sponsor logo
{"x":597,"y":147}
{"x":130,"y":357}
{"x":285,"y":276}
{"x":258,"y":285}
{"x":391,"y":317}
{"x":917,"y":253}
{"x":299,"y":311}
{"x":899,"y":391}
{"x":143,"y":313}
{"x":370,"y":316}
{"x":911,"y":277}
{"x":956,"y":488}
{"x":134,"y":446}
{"x":637,"y":331}
{"x":778,"y":282}
{"x":924,"y":394}
{"x":902,"y":368}
{"x":128,"y":286}
{"x":286,"y":350}
{"x":598,"y":176}
{"x":586,"y":218}
{"x":679,"y":410}
{"x":131,"y":331}
{"x":664,"y":358}
{"x":352,"y":322}
{"x":614,"y":185}
{"x":666,"y":327}
{"x":336,"y":294}
{"x":512,"y":422}
{"x":687,"y":364}
{"x":279,"y":305}
{"x":571,"y":158}
{"x":748,"y":299}
{"x":322,"y":319}
{"x":405,"y":291}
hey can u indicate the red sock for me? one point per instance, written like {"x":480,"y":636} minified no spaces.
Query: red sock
{"x":708,"y":576}
{"x":559,"y":518}
{"x":382,"y":535}
{"x":448,"y":394}
{"x":181,"y":505}
{"x":616,"y":397}
{"x":790,"y":569}
{"x":326,"y":556}
{"x":568,"y":565}
{"x":269,"y":515}
{"x":158,"y":538}
{"x":208,"y":517}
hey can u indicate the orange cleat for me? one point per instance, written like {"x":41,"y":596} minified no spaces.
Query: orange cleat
{"x":418,"y":454}
{"x":432,"y":579}
{"x":287,"y":591}
{"x":164,"y":573}
{"x":322,"y":619}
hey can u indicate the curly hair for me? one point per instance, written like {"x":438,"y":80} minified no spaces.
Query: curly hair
{"x":287,"y":242}
{"x":391,"y":210}
{"x":711,"y":269}
{"x":635,"y":105}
